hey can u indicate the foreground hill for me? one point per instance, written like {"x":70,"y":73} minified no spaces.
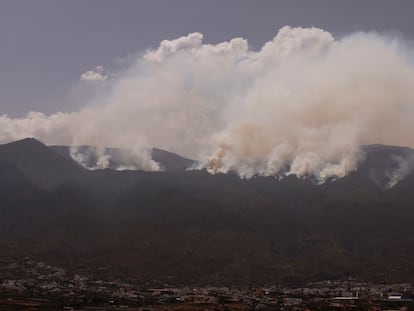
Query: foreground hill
{"x":192,"y":227}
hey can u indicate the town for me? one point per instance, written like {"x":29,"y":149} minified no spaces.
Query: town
{"x":27,"y":284}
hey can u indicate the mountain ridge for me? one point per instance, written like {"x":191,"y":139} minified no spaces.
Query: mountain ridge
{"x":117,"y":157}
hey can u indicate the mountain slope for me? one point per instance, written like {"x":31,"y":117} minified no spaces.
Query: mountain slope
{"x":123,"y":158}
{"x":194,"y":227}
{"x":39,"y":163}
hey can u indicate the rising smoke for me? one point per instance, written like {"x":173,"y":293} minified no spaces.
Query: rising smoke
{"x":303,"y":104}
{"x":405,"y":166}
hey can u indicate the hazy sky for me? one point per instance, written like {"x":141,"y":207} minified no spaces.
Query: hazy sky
{"x":45,"y":45}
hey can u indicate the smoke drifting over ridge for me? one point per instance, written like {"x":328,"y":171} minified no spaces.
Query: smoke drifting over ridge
{"x":303,"y":104}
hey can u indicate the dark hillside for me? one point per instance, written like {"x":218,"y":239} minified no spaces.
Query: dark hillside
{"x":193,"y":227}
{"x":39,"y":163}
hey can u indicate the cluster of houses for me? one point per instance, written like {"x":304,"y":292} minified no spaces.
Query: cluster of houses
{"x":41,"y":286}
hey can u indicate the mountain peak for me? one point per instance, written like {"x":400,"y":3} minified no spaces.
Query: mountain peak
{"x":38,"y":162}
{"x":29,"y":141}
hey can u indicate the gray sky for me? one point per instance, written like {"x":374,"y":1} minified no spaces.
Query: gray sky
{"x":45,"y":45}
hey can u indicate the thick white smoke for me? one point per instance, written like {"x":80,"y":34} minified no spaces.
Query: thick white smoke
{"x":303,"y":104}
{"x":94,"y":158}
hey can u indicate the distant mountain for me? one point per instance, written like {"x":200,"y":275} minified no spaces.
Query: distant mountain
{"x":170,"y":161}
{"x":192,"y":227}
{"x":122,"y":157}
{"x":43,"y":166}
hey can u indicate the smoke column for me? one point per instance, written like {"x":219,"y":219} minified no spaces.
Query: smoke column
{"x":303,"y":104}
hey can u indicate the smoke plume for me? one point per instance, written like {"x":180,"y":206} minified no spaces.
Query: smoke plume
{"x":405,"y":166}
{"x":94,"y":158}
{"x":303,"y":104}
